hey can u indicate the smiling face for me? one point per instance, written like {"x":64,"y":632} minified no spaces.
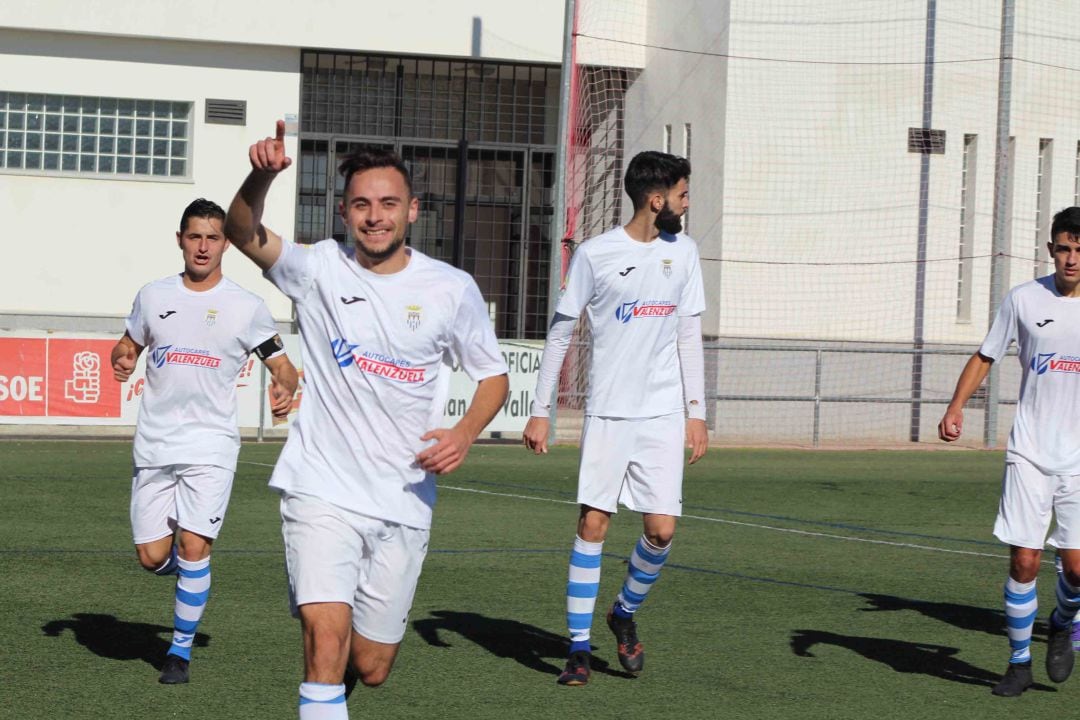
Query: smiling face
{"x":378,"y":208}
{"x":202,"y":242}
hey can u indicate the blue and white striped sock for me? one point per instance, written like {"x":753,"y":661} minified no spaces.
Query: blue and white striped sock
{"x":1021,"y":606}
{"x":1068,"y":602}
{"x":319,"y":701}
{"x":645,"y":564}
{"x":192,"y":590}
{"x":582,"y":587}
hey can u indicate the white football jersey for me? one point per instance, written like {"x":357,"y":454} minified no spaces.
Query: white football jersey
{"x":1046,"y":327}
{"x":633,"y":294}
{"x":196,"y":344}
{"x":377,"y":354}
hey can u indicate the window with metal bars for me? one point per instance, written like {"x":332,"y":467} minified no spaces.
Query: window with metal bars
{"x":479,"y":140}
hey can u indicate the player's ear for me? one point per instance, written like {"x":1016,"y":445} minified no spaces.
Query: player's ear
{"x":414,"y":208}
{"x":179,"y":244}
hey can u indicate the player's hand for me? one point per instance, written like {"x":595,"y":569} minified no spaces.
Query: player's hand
{"x":951,"y":425}
{"x":448,"y":452}
{"x":268,"y":155}
{"x":697,"y":438}
{"x":124,"y":358}
{"x":535,"y":435}
{"x":281,"y":398}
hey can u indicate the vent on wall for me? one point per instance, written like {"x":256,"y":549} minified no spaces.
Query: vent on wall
{"x":226,"y":112}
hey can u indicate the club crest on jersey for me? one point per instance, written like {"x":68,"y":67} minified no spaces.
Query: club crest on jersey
{"x":211,"y":318}
{"x":649,"y":308}
{"x":412,"y":316}
{"x":1044,"y":362}
{"x":667,"y":267}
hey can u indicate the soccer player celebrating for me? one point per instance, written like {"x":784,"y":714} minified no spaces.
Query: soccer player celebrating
{"x":1042,"y":460}
{"x":640,"y":287}
{"x":199,"y":327}
{"x":378,"y":323}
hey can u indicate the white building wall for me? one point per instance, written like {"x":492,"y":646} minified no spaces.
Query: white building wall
{"x":515,"y":30}
{"x":83,"y":245}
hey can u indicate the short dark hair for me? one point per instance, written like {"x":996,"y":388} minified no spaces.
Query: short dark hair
{"x":201,"y":208}
{"x":651,"y":171}
{"x":369,"y":158}
{"x":1067,"y":221}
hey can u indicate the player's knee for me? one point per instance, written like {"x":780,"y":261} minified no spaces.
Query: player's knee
{"x":192,"y":547}
{"x":1071,"y":571}
{"x":593,"y":526}
{"x":373,"y":672}
{"x":375,"y":677}
{"x":148,"y":559}
{"x":1024,"y":567}
{"x":660,"y":537}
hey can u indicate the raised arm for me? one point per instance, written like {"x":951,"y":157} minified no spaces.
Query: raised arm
{"x":243,"y":224}
{"x":974,"y":372}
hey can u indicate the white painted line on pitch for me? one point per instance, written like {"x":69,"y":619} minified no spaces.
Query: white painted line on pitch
{"x":757,"y":526}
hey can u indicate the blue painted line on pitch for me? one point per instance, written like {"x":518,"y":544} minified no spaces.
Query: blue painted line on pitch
{"x":764,"y":516}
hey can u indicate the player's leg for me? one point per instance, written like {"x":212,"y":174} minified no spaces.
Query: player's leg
{"x":604,"y":453}
{"x":325,"y":627}
{"x":153,"y":518}
{"x":654,"y":488}
{"x":323,"y":558}
{"x":202,"y":497}
{"x":1024,"y":514}
{"x":394,"y":557}
{"x":1066,"y":538}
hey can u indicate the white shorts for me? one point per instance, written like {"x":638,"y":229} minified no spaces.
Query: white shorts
{"x":637,"y":462}
{"x":335,"y":555}
{"x":1029,"y":498}
{"x":192,"y":497}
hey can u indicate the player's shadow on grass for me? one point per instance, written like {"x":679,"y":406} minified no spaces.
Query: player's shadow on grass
{"x":526,"y":644}
{"x":108,"y":637}
{"x":965,"y":617}
{"x":902,"y":656}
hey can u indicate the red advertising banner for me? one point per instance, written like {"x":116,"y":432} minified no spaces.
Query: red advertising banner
{"x":57,"y":377}
{"x":22,"y":377}
{"x":80,"y":379}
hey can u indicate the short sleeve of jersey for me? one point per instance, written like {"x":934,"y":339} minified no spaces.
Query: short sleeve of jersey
{"x":262,"y":328}
{"x":135,"y":325}
{"x":1003,"y":332}
{"x":579,"y":286}
{"x":692,"y":301}
{"x":294,"y":271}
{"x":474,"y":342}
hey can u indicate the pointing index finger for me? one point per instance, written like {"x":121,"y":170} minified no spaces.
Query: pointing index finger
{"x":280,"y":135}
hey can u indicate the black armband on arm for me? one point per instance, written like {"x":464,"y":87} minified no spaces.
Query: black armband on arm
{"x":270,"y":348}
